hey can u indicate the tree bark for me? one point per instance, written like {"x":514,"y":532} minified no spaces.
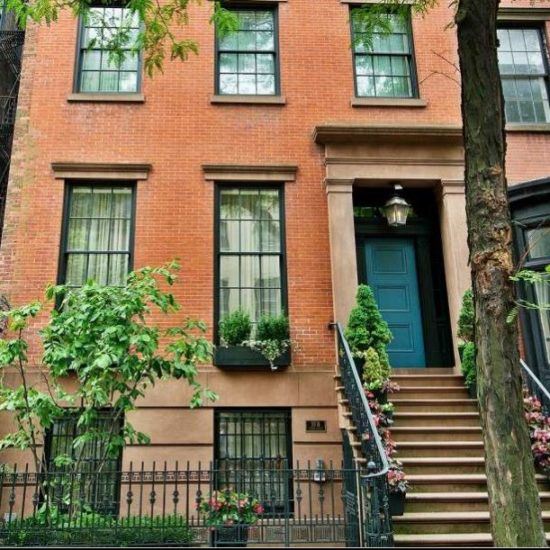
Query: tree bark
{"x":513,"y":495}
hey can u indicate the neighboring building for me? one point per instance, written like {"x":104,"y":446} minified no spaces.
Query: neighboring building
{"x":263,"y":164}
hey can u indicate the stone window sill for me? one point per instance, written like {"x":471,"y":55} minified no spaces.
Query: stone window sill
{"x":529,"y":128}
{"x":387,"y":102}
{"x":249,"y":99}
{"x":106,"y":98}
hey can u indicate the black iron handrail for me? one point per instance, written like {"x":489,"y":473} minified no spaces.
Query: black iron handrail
{"x":535,"y":386}
{"x":374,"y":491}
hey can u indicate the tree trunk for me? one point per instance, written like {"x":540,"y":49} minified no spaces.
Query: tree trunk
{"x":513,"y":495}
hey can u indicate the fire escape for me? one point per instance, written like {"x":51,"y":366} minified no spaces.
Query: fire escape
{"x":11,"y":46}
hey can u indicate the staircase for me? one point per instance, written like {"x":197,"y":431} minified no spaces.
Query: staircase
{"x":438,"y":435}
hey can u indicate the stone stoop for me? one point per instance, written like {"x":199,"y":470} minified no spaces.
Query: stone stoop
{"x":438,"y":436}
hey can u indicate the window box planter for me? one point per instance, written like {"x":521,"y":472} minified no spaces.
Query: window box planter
{"x":397,"y":503}
{"x":235,"y":536}
{"x":244,"y":357}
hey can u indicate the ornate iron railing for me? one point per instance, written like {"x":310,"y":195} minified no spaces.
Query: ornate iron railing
{"x":535,"y":387}
{"x":159,"y":506}
{"x":376,"y":524}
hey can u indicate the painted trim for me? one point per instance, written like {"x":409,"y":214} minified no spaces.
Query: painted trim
{"x":523,"y":14}
{"x":528,"y":128}
{"x":249,"y":174}
{"x":100,"y":171}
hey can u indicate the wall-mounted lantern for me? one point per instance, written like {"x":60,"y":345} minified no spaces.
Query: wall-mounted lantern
{"x":397,"y":209}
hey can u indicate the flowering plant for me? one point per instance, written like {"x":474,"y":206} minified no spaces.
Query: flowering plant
{"x":539,"y":431}
{"x":396,"y":478}
{"x":227,"y":508}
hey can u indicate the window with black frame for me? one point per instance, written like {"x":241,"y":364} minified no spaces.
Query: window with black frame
{"x":247,"y":60}
{"x":537,"y":256}
{"x":383,"y":62}
{"x":98,"y":69}
{"x":253,"y":454}
{"x":523,"y":65}
{"x":98,"y":234}
{"x":250,"y":251}
{"x":92,"y":477}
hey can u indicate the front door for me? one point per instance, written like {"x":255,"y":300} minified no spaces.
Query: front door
{"x":391,"y":273}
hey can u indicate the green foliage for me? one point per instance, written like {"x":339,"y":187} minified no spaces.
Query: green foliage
{"x":530,"y":278}
{"x":50,"y":527}
{"x":235,"y":328}
{"x":468,"y":365}
{"x":272,"y":337}
{"x":103,"y":336}
{"x":466,"y":317}
{"x":273,"y":327}
{"x":161,"y":35}
{"x":366,"y":329}
{"x":374,"y":374}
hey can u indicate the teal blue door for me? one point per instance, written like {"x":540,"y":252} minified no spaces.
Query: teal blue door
{"x":391,"y":273}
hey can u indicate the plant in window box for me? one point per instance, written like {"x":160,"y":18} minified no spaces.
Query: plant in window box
{"x":398,"y":485}
{"x":229,"y":515}
{"x":272,"y":338}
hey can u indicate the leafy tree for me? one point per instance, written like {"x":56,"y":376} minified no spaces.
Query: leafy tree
{"x":105,"y":338}
{"x":367,"y":330}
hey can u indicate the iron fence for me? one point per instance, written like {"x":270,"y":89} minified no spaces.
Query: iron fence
{"x":303,"y":505}
{"x":535,"y":387}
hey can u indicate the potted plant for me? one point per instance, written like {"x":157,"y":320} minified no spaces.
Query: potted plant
{"x":268,"y":345}
{"x":466,"y":321}
{"x":539,"y":432}
{"x":398,"y":484}
{"x":368,"y":336}
{"x":229,"y":515}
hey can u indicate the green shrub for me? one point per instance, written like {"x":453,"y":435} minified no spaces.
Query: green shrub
{"x":374,"y":374}
{"x":273,"y":328}
{"x":468,"y":365}
{"x":235,"y":328}
{"x":466,"y":318}
{"x":367,"y":329}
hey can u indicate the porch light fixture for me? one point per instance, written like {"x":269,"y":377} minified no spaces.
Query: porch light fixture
{"x":397,"y":209}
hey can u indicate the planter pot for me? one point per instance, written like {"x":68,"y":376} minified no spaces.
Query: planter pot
{"x":241,"y":357}
{"x":381,"y":396}
{"x":235,"y":536}
{"x":472,"y":391}
{"x":397,"y":503}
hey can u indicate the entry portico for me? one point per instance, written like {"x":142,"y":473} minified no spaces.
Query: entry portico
{"x":362,"y":164}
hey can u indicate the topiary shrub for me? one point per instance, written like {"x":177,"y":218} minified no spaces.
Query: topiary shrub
{"x":466,"y":318}
{"x":468,"y":365}
{"x":235,"y":328}
{"x":374,"y":374}
{"x":367,"y":329}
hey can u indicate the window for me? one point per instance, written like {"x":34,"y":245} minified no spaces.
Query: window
{"x":253,"y":449}
{"x":385,"y":66}
{"x":524,"y":72}
{"x":98,"y":234}
{"x":247,"y":61}
{"x":250,"y":251}
{"x":98,"y":70}
{"x":99,"y":491}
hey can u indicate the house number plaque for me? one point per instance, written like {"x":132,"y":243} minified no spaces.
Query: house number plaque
{"x":316,"y":425}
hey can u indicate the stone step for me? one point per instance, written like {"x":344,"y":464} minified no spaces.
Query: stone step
{"x":432,"y":392}
{"x":396,"y":371}
{"x":448,"y":483}
{"x":434,"y":405}
{"x":439,"y":448}
{"x":423,"y":380}
{"x":448,"y":540}
{"x":446,"y":522}
{"x":435,"y":419}
{"x":443,"y":465}
{"x":436,"y":433}
{"x":456,"y":502}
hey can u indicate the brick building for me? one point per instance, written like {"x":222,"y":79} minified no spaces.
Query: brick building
{"x":309,"y":135}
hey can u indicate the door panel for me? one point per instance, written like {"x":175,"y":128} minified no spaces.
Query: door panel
{"x":391,"y":273}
